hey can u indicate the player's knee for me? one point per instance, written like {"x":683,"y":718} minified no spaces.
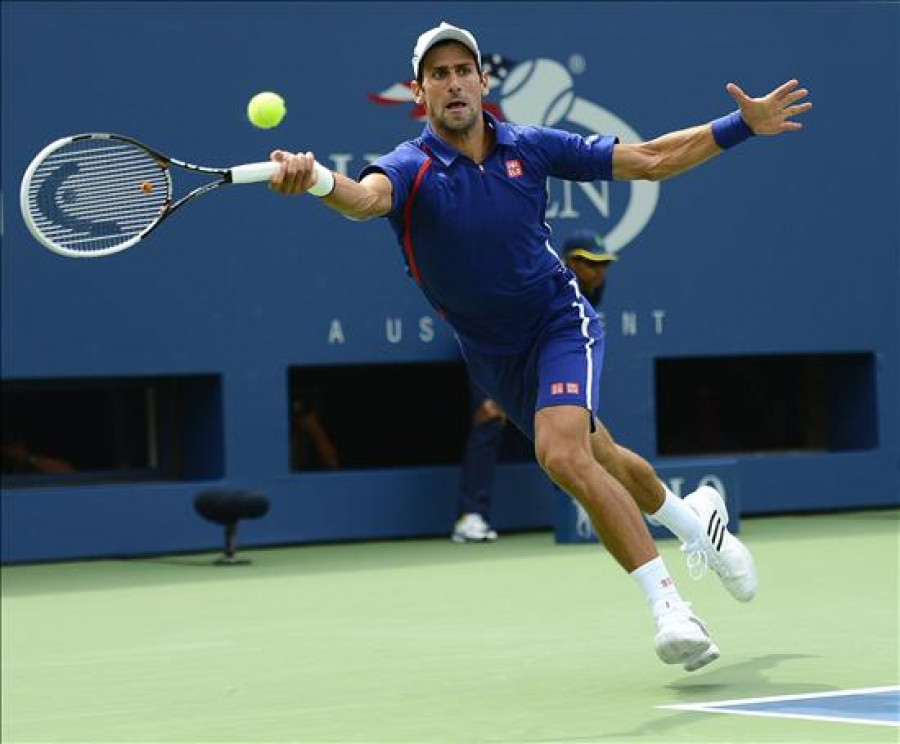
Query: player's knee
{"x":564,"y":464}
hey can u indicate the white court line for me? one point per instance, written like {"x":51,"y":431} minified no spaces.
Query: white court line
{"x":718,"y":706}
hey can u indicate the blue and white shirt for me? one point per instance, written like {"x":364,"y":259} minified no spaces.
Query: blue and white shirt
{"x":475,"y":238}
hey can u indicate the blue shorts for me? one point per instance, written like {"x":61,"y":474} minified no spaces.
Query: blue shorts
{"x":561,"y":368}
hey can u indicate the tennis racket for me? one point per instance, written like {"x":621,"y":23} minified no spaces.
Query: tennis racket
{"x":93,"y":194}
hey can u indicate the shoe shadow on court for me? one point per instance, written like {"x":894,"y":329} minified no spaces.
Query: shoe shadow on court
{"x":743,"y":679}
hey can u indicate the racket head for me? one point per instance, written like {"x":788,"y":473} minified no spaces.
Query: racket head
{"x":94,"y":194}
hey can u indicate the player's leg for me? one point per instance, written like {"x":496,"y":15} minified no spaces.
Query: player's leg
{"x":563,"y":449}
{"x":513,"y":381}
{"x":699,"y":520}
{"x":563,"y":376}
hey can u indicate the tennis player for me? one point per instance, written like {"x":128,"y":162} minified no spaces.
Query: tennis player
{"x":467,"y":202}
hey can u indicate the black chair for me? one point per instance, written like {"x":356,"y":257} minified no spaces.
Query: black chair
{"x":226,"y":508}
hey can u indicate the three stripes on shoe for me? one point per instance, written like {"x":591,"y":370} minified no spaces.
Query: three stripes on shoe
{"x":715,"y":529}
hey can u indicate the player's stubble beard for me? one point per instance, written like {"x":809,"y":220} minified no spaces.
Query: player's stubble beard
{"x":459,"y":128}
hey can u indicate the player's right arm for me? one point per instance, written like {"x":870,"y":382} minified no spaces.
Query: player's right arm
{"x":358,"y":200}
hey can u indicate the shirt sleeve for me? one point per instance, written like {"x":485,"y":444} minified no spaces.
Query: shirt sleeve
{"x":400,"y":167}
{"x":572,"y":157}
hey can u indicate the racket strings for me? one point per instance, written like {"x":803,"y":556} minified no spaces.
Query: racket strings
{"x":96,"y":194}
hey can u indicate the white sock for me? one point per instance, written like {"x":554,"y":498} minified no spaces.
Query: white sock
{"x":678,"y":518}
{"x":654,"y":580}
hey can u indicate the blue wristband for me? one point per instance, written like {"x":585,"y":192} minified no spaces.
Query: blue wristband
{"x":730,"y":130}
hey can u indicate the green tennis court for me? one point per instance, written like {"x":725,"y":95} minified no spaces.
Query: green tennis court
{"x":427,"y":641}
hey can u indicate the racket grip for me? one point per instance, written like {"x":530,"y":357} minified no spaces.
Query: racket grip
{"x":253,"y":172}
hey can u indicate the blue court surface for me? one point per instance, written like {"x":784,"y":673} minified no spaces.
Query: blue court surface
{"x":876,"y":706}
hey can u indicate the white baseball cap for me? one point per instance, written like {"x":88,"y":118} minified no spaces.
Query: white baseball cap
{"x":444,"y":32}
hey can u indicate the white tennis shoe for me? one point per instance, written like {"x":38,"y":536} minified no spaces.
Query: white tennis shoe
{"x":473,"y":528}
{"x":717,"y":548}
{"x":681,"y":636}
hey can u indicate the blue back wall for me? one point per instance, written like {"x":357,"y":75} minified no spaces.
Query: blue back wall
{"x":784,"y":245}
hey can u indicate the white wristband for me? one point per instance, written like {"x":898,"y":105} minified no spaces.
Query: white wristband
{"x":324,"y":184}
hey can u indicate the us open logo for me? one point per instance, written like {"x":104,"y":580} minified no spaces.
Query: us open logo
{"x":541,"y":91}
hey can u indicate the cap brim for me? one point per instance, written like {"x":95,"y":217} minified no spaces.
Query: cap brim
{"x":596,"y":257}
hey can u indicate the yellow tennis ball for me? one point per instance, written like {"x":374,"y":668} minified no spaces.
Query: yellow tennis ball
{"x":266,"y":110}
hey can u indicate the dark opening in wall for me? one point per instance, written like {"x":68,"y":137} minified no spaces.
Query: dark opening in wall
{"x":384,"y":416}
{"x":800,"y":402}
{"x":111,"y":430}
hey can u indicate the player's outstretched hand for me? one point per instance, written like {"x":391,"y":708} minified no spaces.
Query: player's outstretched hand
{"x":772,"y":114}
{"x":296,"y":173}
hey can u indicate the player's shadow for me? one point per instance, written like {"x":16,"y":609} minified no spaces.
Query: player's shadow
{"x":731,"y":681}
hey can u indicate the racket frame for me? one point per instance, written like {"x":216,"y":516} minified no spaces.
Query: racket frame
{"x":169,"y":205}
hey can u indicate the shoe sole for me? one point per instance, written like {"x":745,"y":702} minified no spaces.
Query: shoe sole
{"x":459,"y":539}
{"x":749,"y":593}
{"x":702,"y":659}
{"x":682,"y":650}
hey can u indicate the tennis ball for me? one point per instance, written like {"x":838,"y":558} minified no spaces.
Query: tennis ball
{"x":266,"y":110}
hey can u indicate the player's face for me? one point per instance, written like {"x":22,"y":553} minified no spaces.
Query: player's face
{"x":590,"y":274}
{"x":451,"y":88}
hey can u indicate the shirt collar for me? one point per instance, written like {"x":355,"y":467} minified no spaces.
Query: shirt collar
{"x":447,"y":153}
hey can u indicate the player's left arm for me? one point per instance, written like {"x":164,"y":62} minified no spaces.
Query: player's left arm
{"x":677,"y":152}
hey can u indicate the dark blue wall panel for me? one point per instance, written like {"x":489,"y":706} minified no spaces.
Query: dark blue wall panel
{"x":784,"y":245}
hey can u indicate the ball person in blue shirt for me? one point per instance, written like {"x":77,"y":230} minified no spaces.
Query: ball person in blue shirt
{"x":467,"y":202}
